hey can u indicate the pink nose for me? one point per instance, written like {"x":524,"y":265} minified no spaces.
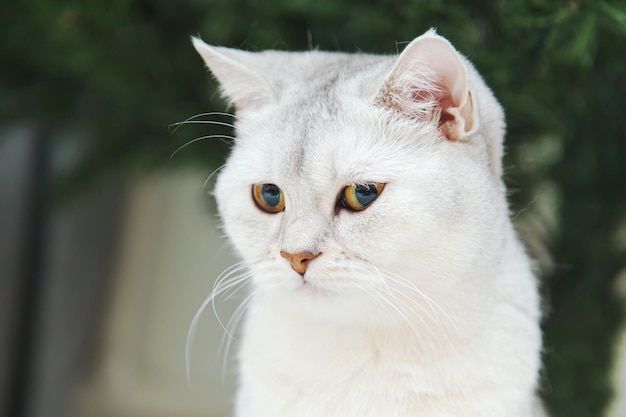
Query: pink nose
{"x":299,"y":261}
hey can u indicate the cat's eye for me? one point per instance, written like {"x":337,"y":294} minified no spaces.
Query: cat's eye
{"x":358,"y":197}
{"x":268,"y":197}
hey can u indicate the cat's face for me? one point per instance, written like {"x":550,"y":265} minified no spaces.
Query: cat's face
{"x":333,"y":194}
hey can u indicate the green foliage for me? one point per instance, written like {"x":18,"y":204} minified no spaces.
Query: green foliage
{"x":119,"y":72}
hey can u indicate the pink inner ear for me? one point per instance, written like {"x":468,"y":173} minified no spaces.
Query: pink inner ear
{"x":422,"y":95}
{"x":455,"y":104}
{"x":446,"y":103}
{"x":431,"y":75}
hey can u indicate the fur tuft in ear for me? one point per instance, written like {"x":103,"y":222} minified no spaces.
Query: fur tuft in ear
{"x":429,"y":82}
{"x":240,"y":84}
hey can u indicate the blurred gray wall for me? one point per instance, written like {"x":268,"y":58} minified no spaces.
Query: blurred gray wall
{"x":96,"y":296}
{"x":55,"y":270}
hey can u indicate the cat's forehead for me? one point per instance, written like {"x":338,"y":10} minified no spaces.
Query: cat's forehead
{"x":306,"y":75}
{"x":326,"y":143}
{"x":324,"y":129}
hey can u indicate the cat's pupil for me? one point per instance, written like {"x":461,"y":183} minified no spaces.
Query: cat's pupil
{"x":271,"y":194}
{"x":365,"y":194}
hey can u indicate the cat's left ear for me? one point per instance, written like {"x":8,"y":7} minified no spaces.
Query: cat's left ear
{"x":239,"y":83}
{"x":429,"y":82}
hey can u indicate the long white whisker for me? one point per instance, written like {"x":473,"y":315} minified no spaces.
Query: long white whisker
{"x":200,"y":122}
{"x":432,"y":303}
{"x":229,"y":282}
{"x":414,"y":313}
{"x":219,"y":320}
{"x":235,"y":286}
{"x":190,"y":119}
{"x":211,"y":176}
{"x":199,"y":139}
{"x":412,"y":287}
{"x":378,"y":274}
{"x":389,"y":289}
{"x":193,"y":326}
{"x":375,"y":294}
{"x":226,"y":342}
{"x":405,"y":300}
{"x":401,"y":313}
{"x":224,"y":277}
{"x":434,"y":319}
{"x":393,"y":297}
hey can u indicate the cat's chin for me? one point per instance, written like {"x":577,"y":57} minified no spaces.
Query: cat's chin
{"x":314,"y":292}
{"x":324,"y":287}
{"x":325,"y":301}
{"x":307,"y":289}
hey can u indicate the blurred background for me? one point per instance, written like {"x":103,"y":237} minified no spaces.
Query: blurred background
{"x":109,"y":244}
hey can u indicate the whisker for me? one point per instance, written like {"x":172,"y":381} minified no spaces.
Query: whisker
{"x":432,"y":303}
{"x":234,"y":285}
{"x":410,"y":286}
{"x":211,"y":176}
{"x":219,"y":320}
{"x":401,"y":313}
{"x":234,"y":321}
{"x":206,"y":122}
{"x":417,"y":315}
{"x":405,"y":301}
{"x":369,"y":291}
{"x":199,"y":139}
{"x":224,"y":277}
{"x":225,"y":288}
{"x":434,"y":319}
{"x":375,"y":294}
{"x":191,"y":332}
{"x":190,"y":119}
{"x":390,"y":302}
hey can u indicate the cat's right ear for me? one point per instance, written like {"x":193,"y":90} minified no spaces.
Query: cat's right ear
{"x":233,"y":69}
{"x":429,"y":82}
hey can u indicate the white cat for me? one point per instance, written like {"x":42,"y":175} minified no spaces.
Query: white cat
{"x":364,"y":195}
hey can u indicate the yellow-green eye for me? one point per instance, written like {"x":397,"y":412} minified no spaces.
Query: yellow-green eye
{"x":268,"y":197}
{"x":358,"y":197}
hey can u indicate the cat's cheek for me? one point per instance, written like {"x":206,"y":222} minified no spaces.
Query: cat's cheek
{"x":249,"y":230}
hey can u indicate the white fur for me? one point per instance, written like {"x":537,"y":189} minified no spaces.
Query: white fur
{"x":423,"y":304}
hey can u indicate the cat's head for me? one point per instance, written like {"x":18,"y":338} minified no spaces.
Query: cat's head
{"x":356,"y":174}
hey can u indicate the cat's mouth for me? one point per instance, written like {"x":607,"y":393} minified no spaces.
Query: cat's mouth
{"x":309,"y":283}
{"x":309,"y":289}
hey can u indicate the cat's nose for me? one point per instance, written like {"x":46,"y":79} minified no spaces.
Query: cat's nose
{"x":299,"y":261}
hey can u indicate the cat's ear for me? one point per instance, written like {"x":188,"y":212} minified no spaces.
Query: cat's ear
{"x":429,"y":82}
{"x":233,"y":69}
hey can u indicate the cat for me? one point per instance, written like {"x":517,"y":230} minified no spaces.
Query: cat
{"x":364,"y":195}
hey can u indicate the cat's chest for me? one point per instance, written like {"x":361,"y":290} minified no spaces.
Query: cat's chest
{"x":291,"y":366}
{"x":313,"y":380}
{"x":338,"y":362}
